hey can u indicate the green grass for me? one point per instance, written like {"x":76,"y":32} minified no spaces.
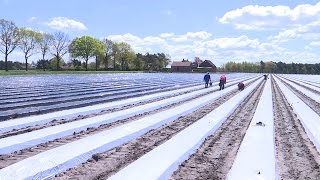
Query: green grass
{"x":35,"y":72}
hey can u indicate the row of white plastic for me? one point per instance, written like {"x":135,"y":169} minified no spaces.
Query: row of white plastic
{"x":22,"y":141}
{"x":303,"y":90}
{"x":48,"y":163}
{"x":165,"y":159}
{"x":72,"y":113}
{"x":308,"y":117}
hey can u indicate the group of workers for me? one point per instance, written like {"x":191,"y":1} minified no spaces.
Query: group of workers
{"x":223,"y":81}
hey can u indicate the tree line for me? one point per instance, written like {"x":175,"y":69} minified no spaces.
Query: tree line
{"x":272,"y":67}
{"x":107,"y":55}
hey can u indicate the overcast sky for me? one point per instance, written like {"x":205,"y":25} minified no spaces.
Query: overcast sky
{"x":250,"y":30}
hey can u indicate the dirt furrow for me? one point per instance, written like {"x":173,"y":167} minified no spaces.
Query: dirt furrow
{"x":301,"y":84}
{"x":8,"y":159}
{"x":103,"y":165}
{"x":314,"y":105}
{"x":214,"y":158}
{"x":297,"y":158}
{"x":80,"y":117}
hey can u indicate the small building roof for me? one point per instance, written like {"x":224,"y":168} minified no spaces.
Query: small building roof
{"x":177,"y":63}
{"x":207,"y":63}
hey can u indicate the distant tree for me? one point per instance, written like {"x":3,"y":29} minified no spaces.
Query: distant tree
{"x":262,"y":66}
{"x":109,"y":47}
{"x":9,"y":38}
{"x":42,"y":64}
{"x":138,"y":62}
{"x":45,"y":43}
{"x":60,"y":45}
{"x":85,"y":47}
{"x":76,"y":64}
{"x":125,"y":55}
{"x":53,"y":63}
{"x":29,"y":40}
{"x":99,"y":52}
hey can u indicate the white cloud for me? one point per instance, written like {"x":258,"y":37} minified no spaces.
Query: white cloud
{"x":32,"y":19}
{"x":203,"y":45}
{"x":63,"y":23}
{"x":271,"y":17}
{"x":309,"y":31}
{"x":166,"y":35}
{"x":191,"y":36}
{"x":315,"y":43}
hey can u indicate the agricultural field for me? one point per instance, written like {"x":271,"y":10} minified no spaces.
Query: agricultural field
{"x":159,"y":126}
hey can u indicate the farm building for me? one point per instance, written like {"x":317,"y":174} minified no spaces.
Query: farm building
{"x":207,"y":64}
{"x":184,"y":66}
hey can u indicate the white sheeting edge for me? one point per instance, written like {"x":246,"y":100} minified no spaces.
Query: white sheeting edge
{"x":51,"y":162}
{"x":302,"y":88}
{"x":160,"y":162}
{"x":308,"y":118}
{"x":305,"y":91}
{"x":22,"y":141}
{"x":312,"y":83}
{"x":256,"y":157}
{"x":18,"y":123}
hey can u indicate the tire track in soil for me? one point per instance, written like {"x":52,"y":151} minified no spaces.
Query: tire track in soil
{"x":8,"y":159}
{"x":215,"y":157}
{"x":297,"y":158}
{"x":105,"y":164}
{"x":314,"y":105}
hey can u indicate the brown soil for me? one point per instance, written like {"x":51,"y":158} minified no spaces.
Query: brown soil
{"x":297,"y":158}
{"x":8,"y":159}
{"x":214,"y":158}
{"x":112,"y":161}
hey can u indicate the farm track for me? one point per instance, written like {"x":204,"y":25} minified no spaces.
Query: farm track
{"x":215,"y":156}
{"x":315,"y":106}
{"x":297,"y":158}
{"x":112,"y":161}
{"x":8,"y":159}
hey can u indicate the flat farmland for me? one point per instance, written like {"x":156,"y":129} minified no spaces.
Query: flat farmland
{"x":159,"y":126}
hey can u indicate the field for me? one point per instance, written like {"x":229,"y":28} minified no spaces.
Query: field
{"x":159,"y":126}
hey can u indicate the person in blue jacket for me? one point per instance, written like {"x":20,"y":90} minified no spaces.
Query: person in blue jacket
{"x":206,"y":79}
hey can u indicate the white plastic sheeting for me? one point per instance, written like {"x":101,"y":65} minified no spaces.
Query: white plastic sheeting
{"x":165,"y":159}
{"x":51,"y":162}
{"x":22,"y":141}
{"x":308,"y":118}
{"x":72,"y":113}
{"x":305,"y":91}
{"x":304,"y":83}
{"x":256,"y":157}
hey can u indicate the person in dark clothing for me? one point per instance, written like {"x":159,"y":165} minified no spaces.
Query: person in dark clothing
{"x":240,"y":86}
{"x":206,"y":79}
{"x":265,"y":77}
{"x":223,"y":81}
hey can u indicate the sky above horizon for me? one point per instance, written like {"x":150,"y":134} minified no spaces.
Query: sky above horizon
{"x":247,"y":30}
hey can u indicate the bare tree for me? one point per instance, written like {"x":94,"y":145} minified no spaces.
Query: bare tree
{"x":108,"y":51}
{"x":9,"y":38}
{"x":60,"y":45}
{"x":29,"y":40}
{"x":45,"y":42}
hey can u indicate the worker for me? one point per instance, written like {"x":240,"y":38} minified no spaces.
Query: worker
{"x":223,"y":81}
{"x":240,"y":86}
{"x":207,"y":79}
{"x":265,"y":77}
